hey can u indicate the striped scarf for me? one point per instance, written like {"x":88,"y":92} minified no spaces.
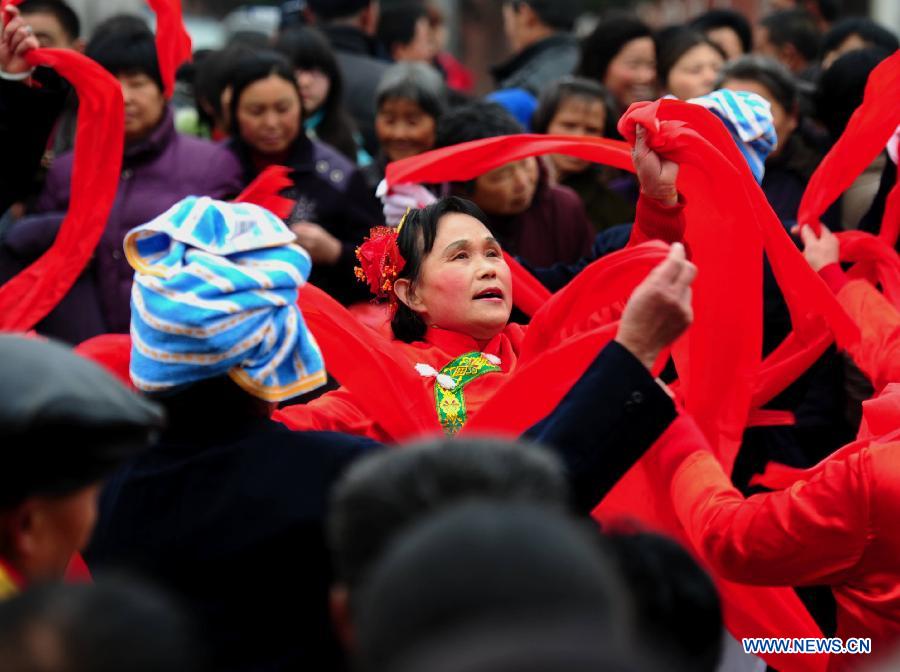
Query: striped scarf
{"x":748,"y":117}
{"x":215,"y":292}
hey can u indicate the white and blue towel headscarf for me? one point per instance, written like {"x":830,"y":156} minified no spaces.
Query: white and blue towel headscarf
{"x":215,"y":292}
{"x":748,"y":117}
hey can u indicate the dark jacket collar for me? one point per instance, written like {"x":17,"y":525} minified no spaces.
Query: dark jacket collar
{"x":505,"y":70}
{"x":154,"y":144}
{"x":301,"y":158}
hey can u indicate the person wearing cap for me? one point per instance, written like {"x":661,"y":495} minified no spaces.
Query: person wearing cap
{"x":65,"y":424}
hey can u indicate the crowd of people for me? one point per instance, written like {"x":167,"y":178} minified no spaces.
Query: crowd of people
{"x":292,"y":412}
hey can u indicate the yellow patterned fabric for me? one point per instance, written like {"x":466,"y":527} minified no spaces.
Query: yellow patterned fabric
{"x":451,"y":403}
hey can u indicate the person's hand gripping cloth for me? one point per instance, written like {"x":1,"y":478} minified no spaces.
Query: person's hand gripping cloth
{"x":215,"y":292}
{"x":748,"y":117}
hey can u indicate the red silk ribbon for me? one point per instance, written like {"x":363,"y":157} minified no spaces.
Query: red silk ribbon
{"x":173,"y":44}
{"x":266,"y":189}
{"x":867,"y":133}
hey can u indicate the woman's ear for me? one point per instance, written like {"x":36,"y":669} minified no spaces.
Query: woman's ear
{"x":404,"y":291}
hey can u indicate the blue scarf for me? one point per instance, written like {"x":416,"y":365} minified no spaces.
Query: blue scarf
{"x":215,"y":292}
{"x":748,"y":117}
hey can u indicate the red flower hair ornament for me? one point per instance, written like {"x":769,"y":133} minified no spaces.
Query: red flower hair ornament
{"x":380,"y":261}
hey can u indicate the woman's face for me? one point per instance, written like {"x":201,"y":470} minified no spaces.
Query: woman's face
{"x":695,"y":73}
{"x":631,"y":75}
{"x":576,"y":116}
{"x":507,"y":190}
{"x":144,"y":105}
{"x":268,"y":115}
{"x":785,"y":120}
{"x":314,"y":86}
{"x":403,"y":128}
{"x":464,"y":284}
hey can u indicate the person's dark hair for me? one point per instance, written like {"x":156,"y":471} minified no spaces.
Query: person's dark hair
{"x":415,"y":241}
{"x":726,"y":18}
{"x":397,"y":24}
{"x":674,"y":42}
{"x":873,"y":34}
{"x":677,"y":607}
{"x":605,"y":42}
{"x":488,"y":563}
{"x":796,"y":27}
{"x":418,"y":82}
{"x":113,"y":625}
{"x":329,"y":10}
{"x":252,"y":68}
{"x":841,"y":87}
{"x":309,"y":49}
{"x":214,"y":73}
{"x":558,"y":92}
{"x":385,"y":493}
{"x":60,"y":10}
{"x":556,"y":14}
{"x":548,"y":644}
{"x":186,"y":405}
{"x":475,"y":121}
{"x":769,"y":73}
{"x":124,"y":45}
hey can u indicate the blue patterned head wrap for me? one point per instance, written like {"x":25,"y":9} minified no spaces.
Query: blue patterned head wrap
{"x":215,"y":292}
{"x":748,"y":117}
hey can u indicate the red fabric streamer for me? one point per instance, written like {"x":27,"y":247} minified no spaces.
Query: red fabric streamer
{"x":874,"y":260}
{"x":112,"y":352}
{"x":564,"y":337}
{"x":528,"y":292}
{"x":371,"y":367}
{"x":868,"y":131}
{"x":468,"y":160}
{"x":99,"y":139}
{"x":265,"y":190}
{"x":173,"y":44}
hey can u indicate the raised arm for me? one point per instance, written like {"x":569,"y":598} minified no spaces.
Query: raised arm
{"x":660,"y":208}
{"x":812,"y":533}
{"x":27,"y":113}
{"x":878,"y":351}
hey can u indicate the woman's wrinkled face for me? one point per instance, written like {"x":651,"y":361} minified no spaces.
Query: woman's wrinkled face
{"x":507,"y":190}
{"x":403,"y":128}
{"x":314,"y":86}
{"x":785,"y":121}
{"x":695,"y":73}
{"x":631,"y":75}
{"x":268,"y":115}
{"x":464,"y":284}
{"x":144,"y":105}
{"x":576,"y":116}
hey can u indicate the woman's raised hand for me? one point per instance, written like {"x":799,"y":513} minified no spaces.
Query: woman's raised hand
{"x":16,"y":39}
{"x":656,"y":174}
{"x":820,"y":251}
{"x":659,"y":309}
